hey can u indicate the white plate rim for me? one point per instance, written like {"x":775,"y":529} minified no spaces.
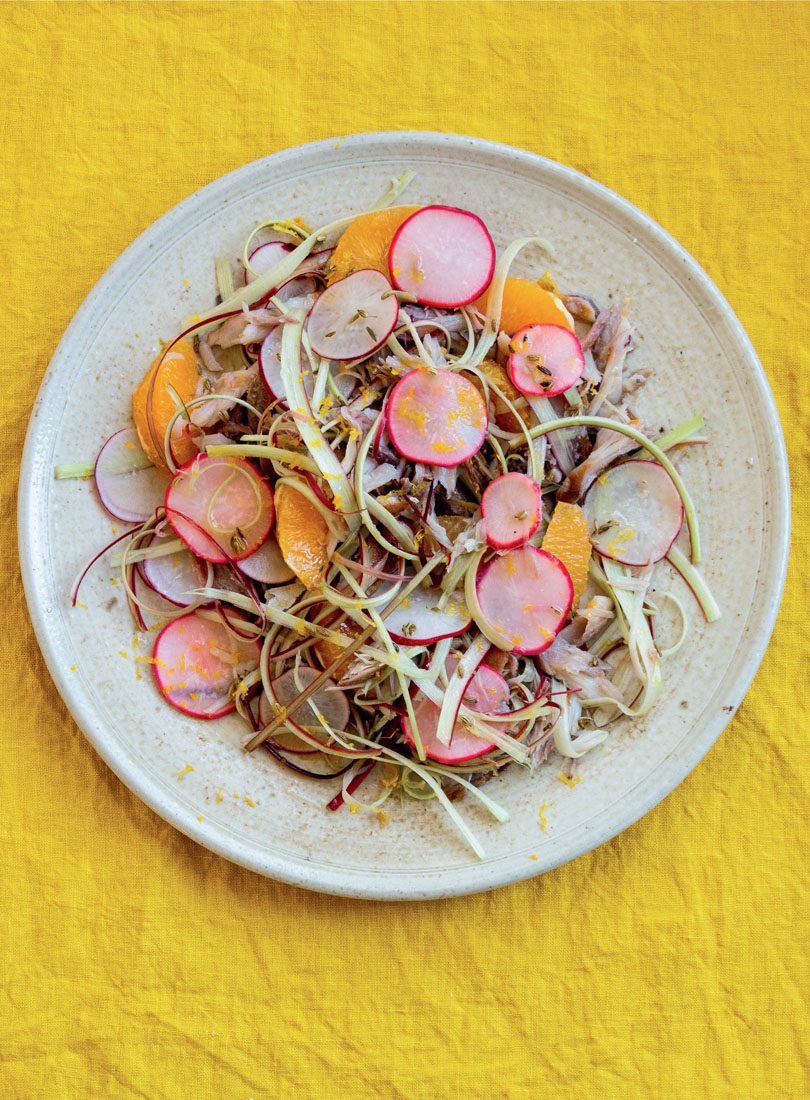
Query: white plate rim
{"x":478,"y":877}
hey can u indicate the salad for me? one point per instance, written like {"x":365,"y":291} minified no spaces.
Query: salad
{"x":394,"y":506}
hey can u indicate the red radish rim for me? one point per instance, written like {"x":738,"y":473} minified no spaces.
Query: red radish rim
{"x":228,"y":709}
{"x":455,"y":304}
{"x":446,"y":463}
{"x":633,"y":564}
{"x":552,"y":390}
{"x":223,"y":556}
{"x":511,"y":544}
{"x":522,"y":650}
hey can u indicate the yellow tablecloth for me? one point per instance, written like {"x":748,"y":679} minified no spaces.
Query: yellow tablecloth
{"x":668,"y":963}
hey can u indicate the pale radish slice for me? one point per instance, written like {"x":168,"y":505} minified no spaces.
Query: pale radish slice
{"x":298,"y":292}
{"x":635,"y":512}
{"x":198,"y":662}
{"x":315,"y":262}
{"x":265,"y":256}
{"x":419,"y":620}
{"x":329,"y":699}
{"x":175,"y":576}
{"x":443,"y":256}
{"x":487,"y":692}
{"x":546,"y":360}
{"x":511,"y":506}
{"x":222,"y":508}
{"x":353,"y":316}
{"x":270,"y":367}
{"x":266,"y":564}
{"x":524,"y":598}
{"x":129,"y":486}
{"x":436,"y":417}
{"x":283,"y":738}
{"x":270,"y":363}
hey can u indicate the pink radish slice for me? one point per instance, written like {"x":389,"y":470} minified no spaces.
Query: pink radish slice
{"x":511,"y":507}
{"x":222,"y":508}
{"x":353,"y":316}
{"x":266,"y":564}
{"x":329,"y":700}
{"x":130,"y":487}
{"x":198,"y":662}
{"x":438,"y":418}
{"x":487,"y":692}
{"x":264,"y":257}
{"x":525,"y":596}
{"x":444,"y":256}
{"x":175,"y":576}
{"x":548,"y":360}
{"x":635,"y":512}
{"x":418,"y":620}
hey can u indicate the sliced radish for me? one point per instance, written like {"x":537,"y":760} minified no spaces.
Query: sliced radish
{"x":511,"y":507}
{"x":270,"y":363}
{"x":635,"y":512}
{"x":487,"y":692}
{"x":525,"y":596}
{"x":315,"y":262}
{"x":265,"y":256}
{"x":175,"y":576}
{"x":198,"y":662}
{"x":300,"y":290}
{"x":329,"y":700}
{"x":283,"y":738}
{"x":266,"y":564}
{"x":548,"y":360}
{"x":438,"y":417}
{"x":443,"y":256}
{"x":418,"y":620}
{"x":130,"y":487}
{"x":222,"y":508}
{"x":353,"y":316}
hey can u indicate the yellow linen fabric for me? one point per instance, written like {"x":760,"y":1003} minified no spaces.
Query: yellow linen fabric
{"x":668,"y":963}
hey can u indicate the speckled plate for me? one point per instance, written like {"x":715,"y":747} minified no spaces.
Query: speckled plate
{"x":246,"y":807}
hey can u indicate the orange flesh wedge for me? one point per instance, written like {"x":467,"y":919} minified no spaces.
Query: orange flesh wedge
{"x":178,"y":370}
{"x":366,"y":241}
{"x":327,"y":651}
{"x":567,"y":538}
{"x":302,"y":535}
{"x":526,"y":303}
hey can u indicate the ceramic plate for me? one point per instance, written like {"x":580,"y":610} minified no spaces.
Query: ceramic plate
{"x":246,"y":807}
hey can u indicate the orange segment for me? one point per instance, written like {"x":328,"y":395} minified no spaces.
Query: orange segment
{"x":302,"y":535}
{"x":327,"y":651}
{"x":178,"y":370}
{"x":527,"y":303}
{"x":566,"y":538}
{"x":497,"y":375}
{"x":366,"y":241}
